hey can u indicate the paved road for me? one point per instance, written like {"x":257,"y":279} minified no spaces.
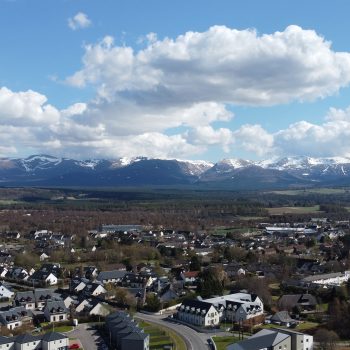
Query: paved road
{"x":89,"y":337}
{"x":193,"y":339}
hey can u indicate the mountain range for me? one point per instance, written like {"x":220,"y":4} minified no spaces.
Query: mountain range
{"x":287,"y":172}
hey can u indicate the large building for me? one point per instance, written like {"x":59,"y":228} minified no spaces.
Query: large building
{"x":237,"y":307}
{"x":124,"y":333}
{"x":275,"y":339}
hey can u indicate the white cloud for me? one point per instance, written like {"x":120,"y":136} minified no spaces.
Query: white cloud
{"x":327,"y":139}
{"x":168,"y":98}
{"x":206,"y":135}
{"x":221,"y":64}
{"x":79,"y":21}
{"x":26,"y":108}
{"x":253,"y":138}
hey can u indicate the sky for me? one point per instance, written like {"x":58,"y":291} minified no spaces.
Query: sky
{"x":181,"y":79}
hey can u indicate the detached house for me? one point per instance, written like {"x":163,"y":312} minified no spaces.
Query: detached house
{"x":15,"y":317}
{"x":56,"y":311}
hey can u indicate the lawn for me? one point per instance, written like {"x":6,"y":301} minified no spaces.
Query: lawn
{"x":60,"y":329}
{"x":304,"y":326}
{"x":162,"y":336}
{"x":222,"y":342}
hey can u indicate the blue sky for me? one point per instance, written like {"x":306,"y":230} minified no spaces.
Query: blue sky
{"x":182,"y":79}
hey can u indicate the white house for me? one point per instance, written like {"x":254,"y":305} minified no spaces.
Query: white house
{"x":56,"y":311}
{"x":327,"y":279}
{"x":275,"y":339}
{"x":238,"y":306}
{"x":5,"y":291}
{"x":199,"y":313}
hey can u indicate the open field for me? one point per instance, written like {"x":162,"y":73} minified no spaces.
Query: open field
{"x":313,"y":190}
{"x":294,"y":210}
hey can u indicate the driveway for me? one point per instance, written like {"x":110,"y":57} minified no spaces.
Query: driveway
{"x":89,"y":337}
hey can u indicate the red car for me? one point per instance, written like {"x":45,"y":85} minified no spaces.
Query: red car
{"x":74,"y":346}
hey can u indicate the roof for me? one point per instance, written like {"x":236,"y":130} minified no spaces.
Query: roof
{"x":295,"y":299}
{"x":56,"y":307}
{"x":107,"y":275}
{"x":6,"y":340}
{"x":197,"y":304}
{"x":282,"y":316}
{"x":136,"y":336}
{"x":53,"y":336}
{"x":26,"y":338}
{"x":322,"y":277}
{"x":42,"y":294}
{"x":263,"y":339}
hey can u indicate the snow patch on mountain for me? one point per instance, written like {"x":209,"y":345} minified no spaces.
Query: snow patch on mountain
{"x":41,"y":161}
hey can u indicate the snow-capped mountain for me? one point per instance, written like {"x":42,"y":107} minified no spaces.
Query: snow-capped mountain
{"x":46,"y":170}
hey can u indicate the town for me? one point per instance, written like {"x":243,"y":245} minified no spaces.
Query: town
{"x":279,"y":283}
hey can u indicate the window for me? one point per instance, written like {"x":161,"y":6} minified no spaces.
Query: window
{"x":307,"y":340}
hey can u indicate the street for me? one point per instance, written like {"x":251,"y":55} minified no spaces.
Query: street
{"x":194,"y":340}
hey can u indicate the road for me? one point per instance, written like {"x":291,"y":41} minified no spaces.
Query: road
{"x":89,"y":337}
{"x":193,"y":339}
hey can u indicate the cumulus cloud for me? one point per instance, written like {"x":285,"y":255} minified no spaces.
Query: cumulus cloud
{"x":221,"y":64}
{"x":327,"y":139}
{"x":26,"y":108}
{"x":253,"y":138}
{"x":167,"y":98}
{"x":79,"y":21}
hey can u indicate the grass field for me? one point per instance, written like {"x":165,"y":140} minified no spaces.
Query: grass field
{"x":294,"y":210}
{"x":312,"y":190}
{"x":222,"y":342}
{"x":161,"y":337}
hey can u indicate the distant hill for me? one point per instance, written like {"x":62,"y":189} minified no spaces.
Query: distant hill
{"x":46,"y":170}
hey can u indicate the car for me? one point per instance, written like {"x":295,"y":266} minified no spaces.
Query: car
{"x":74,"y":346}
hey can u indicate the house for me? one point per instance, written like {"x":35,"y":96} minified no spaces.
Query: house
{"x":327,"y":279}
{"x":189,"y":277}
{"x":275,"y":339}
{"x":137,"y":280}
{"x":25,"y":299}
{"x":114,"y":276}
{"x":304,"y":302}
{"x":36,"y":299}
{"x":282,"y":318}
{"x":3,"y":271}
{"x":15,"y":317}
{"x":48,"y":341}
{"x":91,"y":307}
{"x":238,"y":307}
{"x":5,"y":291}
{"x":90,"y":272}
{"x":56,"y":311}
{"x":54,"y":341}
{"x":27,"y":341}
{"x":43,"y":257}
{"x":7,"y":342}
{"x":199,"y":313}
{"x":94,"y":289}
{"x":42,"y":297}
{"x":78,"y":284}
{"x":47,"y":277}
